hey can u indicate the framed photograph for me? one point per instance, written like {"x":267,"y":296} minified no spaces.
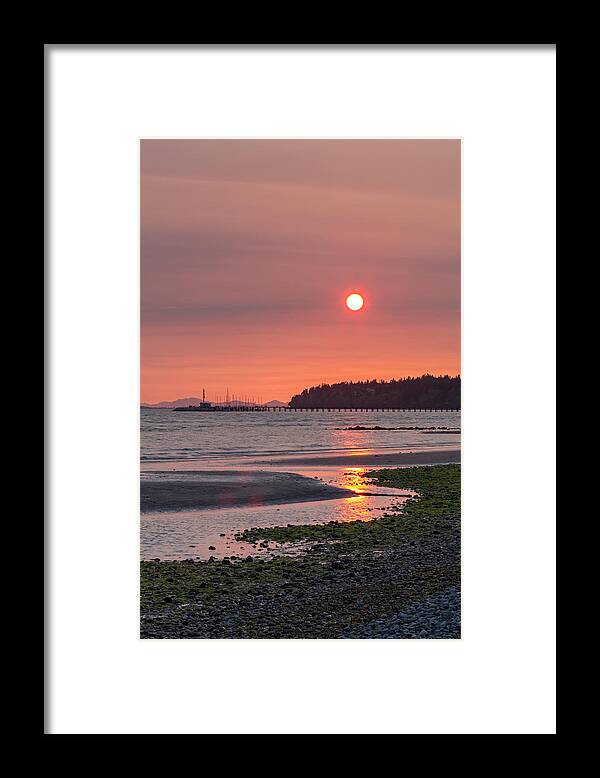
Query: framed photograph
{"x":294,"y":298}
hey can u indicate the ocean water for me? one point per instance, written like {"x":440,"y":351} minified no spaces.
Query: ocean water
{"x":169,"y":436}
{"x":256,"y":441}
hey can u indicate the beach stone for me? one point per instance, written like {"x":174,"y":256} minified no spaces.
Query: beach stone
{"x":437,"y":616}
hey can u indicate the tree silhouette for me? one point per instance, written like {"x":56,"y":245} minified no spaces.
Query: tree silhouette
{"x":426,"y":391}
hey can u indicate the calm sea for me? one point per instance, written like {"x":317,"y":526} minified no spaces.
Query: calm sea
{"x":168,"y":436}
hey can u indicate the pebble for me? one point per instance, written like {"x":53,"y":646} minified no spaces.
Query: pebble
{"x":437,"y":616}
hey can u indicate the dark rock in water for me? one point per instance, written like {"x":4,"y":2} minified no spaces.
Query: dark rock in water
{"x":212,"y":548}
{"x":221,"y":534}
{"x":248,"y":559}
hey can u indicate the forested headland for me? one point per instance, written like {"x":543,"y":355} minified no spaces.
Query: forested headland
{"x":422,"y":392}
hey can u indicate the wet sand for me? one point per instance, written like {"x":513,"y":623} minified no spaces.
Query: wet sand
{"x":367,"y":459}
{"x":193,"y":489}
{"x":180,"y":490}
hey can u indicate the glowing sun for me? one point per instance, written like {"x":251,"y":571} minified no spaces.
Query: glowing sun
{"x":354,"y":301}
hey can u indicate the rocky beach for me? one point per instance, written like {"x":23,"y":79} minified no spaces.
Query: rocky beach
{"x":396,"y":576}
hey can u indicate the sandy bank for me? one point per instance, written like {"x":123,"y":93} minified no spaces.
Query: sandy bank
{"x":177,"y":490}
{"x":441,"y":456}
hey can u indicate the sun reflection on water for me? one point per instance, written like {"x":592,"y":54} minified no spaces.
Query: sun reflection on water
{"x":355,"y":508}
{"x":353,"y":480}
{"x":203,"y":533}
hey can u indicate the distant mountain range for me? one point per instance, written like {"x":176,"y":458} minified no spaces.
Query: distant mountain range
{"x":183,"y":402}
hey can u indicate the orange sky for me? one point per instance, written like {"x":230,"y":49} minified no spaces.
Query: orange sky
{"x":248,"y":249}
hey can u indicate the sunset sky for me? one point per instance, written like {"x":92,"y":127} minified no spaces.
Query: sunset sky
{"x":249,"y":248}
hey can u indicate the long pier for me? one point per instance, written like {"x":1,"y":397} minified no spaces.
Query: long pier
{"x":287,"y":409}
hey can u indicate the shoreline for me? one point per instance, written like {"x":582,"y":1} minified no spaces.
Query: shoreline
{"x":181,"y":490}
{"x":397,"y":576}
{"x":446,"y":456}
{"x":332,"y":457}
